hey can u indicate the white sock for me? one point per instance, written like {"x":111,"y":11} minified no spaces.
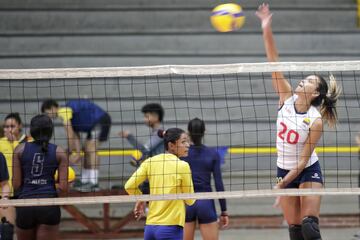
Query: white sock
{"x":85,"y":175}
{"x":93,"y":176}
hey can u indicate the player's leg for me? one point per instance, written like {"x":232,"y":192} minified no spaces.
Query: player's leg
{"x":26,"y":234}
{"x":98,"y":134}
{"x":207,"y":218}
{"x":92,"y":160}
{"x":209,"y":231}
{"x":310,"y":205}
{"x":290,"y":207}
{"x":190,"y":221}
{"x":189,"y":230}
{"x":310,"y":210}
{"x":25,"y":223}
{"x":291,"y":211}
{"x":46,"y":232}
{"x":48,"y":220}
{"x":89,"y":172}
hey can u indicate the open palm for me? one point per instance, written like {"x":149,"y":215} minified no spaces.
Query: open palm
{"x":264,"y":14}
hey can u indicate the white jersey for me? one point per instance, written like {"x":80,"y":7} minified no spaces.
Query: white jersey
{"x":292,"y":131}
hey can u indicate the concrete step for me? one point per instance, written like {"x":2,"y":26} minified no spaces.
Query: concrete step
{"x":45,"y":61}
{"x":182,"y":45}
{"x":240,"y":207}
{"x":111,"y":4}
{"x":115,"y":22}
{"x":232,"y":123}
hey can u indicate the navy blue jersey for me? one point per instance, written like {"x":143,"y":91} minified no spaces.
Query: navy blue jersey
{"x":85,"y":114}
{"x":38,"y":169}
{"x":4,"y":174}
{"x":203,"y":162}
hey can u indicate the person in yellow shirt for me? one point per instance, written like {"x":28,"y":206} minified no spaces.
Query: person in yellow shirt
{"x":167,"y":174}
{"x":13,"y":135}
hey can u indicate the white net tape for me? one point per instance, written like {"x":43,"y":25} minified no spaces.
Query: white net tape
{"x":179,"y":69}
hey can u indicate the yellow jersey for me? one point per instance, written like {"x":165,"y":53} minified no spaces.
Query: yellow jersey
{"x":167,"y":174}
{"x":65,"y":114}
{"x":7,"y":148}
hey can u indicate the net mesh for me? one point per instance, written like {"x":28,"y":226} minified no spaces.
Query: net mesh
{"x":236,"y":101}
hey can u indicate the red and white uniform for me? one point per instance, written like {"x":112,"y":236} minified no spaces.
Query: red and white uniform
{"x":292,"y":131}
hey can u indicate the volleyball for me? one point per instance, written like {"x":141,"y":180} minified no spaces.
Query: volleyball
{"x":227,"y":17}
{"x":71,"y":175}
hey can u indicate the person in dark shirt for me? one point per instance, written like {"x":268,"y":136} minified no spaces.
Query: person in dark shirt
{"x":203,"y":162}
{"x":82,"y":116}
{"x":4,"y":178}
{"x":153,"y":117}
{"x":34,"y":166}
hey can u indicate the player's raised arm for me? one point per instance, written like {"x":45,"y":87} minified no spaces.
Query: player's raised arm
{"x":279,"y":82}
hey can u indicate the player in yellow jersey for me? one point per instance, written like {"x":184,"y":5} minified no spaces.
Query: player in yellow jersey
{"x":167,"y":174}
{"x":13,"y":135}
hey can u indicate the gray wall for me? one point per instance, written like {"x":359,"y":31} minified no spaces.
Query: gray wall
{"x":238,"y":111}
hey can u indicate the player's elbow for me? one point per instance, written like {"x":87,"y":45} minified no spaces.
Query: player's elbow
{"x":130,"y":188}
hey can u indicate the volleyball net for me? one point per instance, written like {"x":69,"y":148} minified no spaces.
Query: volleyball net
{"x":236,"y":102}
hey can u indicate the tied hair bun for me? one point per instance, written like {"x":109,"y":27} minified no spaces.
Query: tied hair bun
{"x":161,"y":133}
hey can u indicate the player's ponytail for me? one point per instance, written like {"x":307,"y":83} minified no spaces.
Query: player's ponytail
{"x":41,"y":129}
{"x":196,"y":128}
{"x":170,"y":135}
{"x":327,"y":99}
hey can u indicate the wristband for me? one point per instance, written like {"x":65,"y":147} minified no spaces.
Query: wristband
{"x":224,"y":214}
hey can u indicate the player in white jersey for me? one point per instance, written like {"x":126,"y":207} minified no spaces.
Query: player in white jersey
{"x":299,"y":128}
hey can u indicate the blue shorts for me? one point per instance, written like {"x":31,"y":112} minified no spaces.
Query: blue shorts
{"x":202,"y":210}
{"x":309,"y":174}
{"x":161,"y":232}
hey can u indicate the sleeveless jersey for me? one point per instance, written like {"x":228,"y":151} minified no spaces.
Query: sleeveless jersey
{"x":292,"y":131}
{"x":38,"y":169}
{"x":85,"y":114}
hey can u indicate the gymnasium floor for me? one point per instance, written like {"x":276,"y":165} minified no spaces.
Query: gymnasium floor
{"x":281,"y":234}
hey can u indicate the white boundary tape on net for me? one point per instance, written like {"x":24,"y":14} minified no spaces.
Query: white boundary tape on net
{"x":209,"y":195}
{"x":213,"y":69}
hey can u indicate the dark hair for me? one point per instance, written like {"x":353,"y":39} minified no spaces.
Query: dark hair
{"x":48,"y":104}
{"x":327,"y":98}
{"x":196,"y":128}
{"x":41,"y":129}
{"x":170,"y":135}
{"x":15,"y":116}
{"x":154,"y":108}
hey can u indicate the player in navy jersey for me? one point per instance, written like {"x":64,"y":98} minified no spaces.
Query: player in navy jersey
{"x":299,"y":128}
{"x":34,"y":166}
{"x":204,"y":162}
{"x":82,"y":116}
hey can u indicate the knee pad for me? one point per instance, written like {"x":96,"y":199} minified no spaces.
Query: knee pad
{"x":310,"y":228}
{"x":295,"y":232}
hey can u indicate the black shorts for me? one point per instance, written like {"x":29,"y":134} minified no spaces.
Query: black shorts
{"x":31,"y":217}
{"x":309,"y":174}
{"x":101,"y":129}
